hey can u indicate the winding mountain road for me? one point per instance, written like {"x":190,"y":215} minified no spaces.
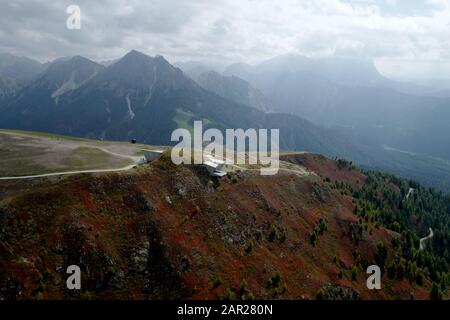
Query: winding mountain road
{"x":422,"y":241}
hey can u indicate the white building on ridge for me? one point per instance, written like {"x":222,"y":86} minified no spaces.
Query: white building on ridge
{"x":152,"y":155}
{"x":214,"y":166}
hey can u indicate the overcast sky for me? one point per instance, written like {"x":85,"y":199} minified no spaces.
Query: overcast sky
{"x":408,"y":39}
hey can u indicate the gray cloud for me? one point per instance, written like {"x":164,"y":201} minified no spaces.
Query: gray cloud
{"x":396,"y":33}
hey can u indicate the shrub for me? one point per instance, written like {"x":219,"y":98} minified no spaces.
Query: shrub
{"x":381,"y":255}
{"x":185,"y":264}
{"x":320,"y":294}
{"x":87,"y":295}
{"x":249,"y":247}
{"x":313,"y":238}
{"x":274,"y":280}
{"x":420,"y":278}
{"x":243,"y":288}
{"x":229,"y":294}
{"x":354,"y":273}
{"x":217,"y":282}
{"x":436,"y":293}
{"x":272,"y":234}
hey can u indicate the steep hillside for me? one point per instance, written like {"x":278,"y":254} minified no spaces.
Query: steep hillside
{"x":171,"y":232}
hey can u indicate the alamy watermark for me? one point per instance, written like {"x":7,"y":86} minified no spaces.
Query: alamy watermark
{"x":253,"y":147}
{"x":73,"y":282}
{"x":73,"y":22}
{"x":374,"y":280}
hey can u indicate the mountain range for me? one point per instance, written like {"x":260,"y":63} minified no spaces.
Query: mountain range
{"x":141,"y":97}
{"x":350,"y":93}
{"x":146,"y":98}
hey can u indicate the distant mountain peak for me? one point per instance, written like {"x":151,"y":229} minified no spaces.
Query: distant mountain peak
{"x":81,"y":59}
{"x":72,"y":62}
{"x":63,"y":76}
{"x":18,"y":68}
{"x":135,"y":54}
{"x":137,"y":59}
{"x":140,"y":56}
{"x":139,"y":70}
{"x":61,"y":68}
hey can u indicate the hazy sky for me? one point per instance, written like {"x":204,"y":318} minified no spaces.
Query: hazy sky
{"x":406,"y":38}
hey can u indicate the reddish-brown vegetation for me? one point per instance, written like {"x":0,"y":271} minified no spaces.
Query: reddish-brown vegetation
{"x":161,"y":232}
